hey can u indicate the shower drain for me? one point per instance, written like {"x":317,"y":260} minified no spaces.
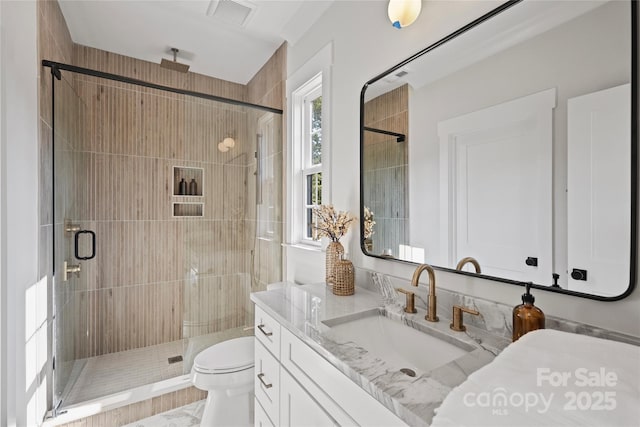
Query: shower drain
{"x":175,"y":359}
{"x":409,"y":372}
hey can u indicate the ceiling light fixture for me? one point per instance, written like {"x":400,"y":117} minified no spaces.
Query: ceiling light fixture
{"x":403,"y":13}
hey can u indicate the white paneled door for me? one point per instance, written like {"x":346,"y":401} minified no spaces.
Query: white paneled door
{"x":496,"y":188}
{"x":599,"y":191}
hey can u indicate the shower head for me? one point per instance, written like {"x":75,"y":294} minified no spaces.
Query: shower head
{"x":174,"y":65}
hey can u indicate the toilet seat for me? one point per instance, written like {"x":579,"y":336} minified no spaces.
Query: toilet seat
{"x":226,"y":372}
{"x":226,"y":357}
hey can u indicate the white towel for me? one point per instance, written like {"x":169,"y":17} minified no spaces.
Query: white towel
{"x":550,"y":378}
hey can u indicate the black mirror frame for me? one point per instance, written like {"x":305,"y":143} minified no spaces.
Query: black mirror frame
{"x":635,"y":43}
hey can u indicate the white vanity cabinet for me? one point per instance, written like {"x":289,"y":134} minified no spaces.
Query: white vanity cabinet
{"x":261,"y":419}
{"x":267,"y":382}
{"x":298,"y":408}
{"x":295,"y":386}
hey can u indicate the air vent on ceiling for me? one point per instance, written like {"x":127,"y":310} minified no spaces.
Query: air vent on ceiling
{"x":395,"y":76}
{"x":234,"y":12}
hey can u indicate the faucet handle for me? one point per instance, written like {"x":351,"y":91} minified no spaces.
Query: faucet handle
{"x":457,"y":317}
{"x":410,"y":306}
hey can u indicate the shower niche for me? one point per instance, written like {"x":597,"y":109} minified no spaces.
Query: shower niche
{"x":187,"y":186}
{"x":187,"y":181}
{"x":188,"y":209}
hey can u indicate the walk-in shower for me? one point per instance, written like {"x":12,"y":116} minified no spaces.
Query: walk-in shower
{"x":159,"y":236}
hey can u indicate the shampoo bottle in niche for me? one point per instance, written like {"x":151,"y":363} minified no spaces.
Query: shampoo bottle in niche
{"x":526,"y":316}
{"x":182,"y":187}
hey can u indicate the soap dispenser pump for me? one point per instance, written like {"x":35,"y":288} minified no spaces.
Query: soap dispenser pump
{"x":526,"y":316}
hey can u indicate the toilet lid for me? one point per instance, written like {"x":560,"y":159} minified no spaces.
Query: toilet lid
{"x":228,"y":356}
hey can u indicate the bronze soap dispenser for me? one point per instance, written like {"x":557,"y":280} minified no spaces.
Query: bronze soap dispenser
{"x":526,"y":316}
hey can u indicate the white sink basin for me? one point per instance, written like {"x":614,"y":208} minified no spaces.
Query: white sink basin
{"x":395,"y":343}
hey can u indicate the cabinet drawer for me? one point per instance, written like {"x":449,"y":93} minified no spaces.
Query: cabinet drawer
{"x":267,"y":331}
{"x":267,"y":382}
{"x":347,"y":403}
{"x":260,"y":416}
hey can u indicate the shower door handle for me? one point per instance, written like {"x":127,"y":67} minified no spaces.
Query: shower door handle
{"x":76,"y":245}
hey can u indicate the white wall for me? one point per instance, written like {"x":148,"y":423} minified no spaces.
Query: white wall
{"x":365,"y":45}
{"x":22,"y":389}
{"x":3,"y":246}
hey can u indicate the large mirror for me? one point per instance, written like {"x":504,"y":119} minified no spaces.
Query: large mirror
{"x":510,"y":144}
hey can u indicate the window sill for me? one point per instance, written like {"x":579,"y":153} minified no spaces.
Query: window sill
{"x":310,"y":248}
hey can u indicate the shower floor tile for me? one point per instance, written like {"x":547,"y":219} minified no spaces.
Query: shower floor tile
{"x":116,"y":372}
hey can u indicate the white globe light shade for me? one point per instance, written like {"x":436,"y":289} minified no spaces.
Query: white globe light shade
{"x":229,"y":142}
{"x":223,"y":147}
{"x":403,"y":13}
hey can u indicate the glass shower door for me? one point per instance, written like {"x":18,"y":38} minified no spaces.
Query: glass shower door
{"x":173,"y":222}
{"x":74,"y":240}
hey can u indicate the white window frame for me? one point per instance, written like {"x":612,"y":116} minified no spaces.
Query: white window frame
{"x":303,"y":98}
{"x":311,"y":79}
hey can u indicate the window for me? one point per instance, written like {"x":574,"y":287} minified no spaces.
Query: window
{"x":312,"y":159}
{"x":309,"y":152}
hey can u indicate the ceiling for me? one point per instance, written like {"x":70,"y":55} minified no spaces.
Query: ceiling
{"x":507,"y":29}
{"x":209,"y":42}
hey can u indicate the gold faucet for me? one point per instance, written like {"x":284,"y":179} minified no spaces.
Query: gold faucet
{"x":410,"y":306}
{"x":467,"y":260}
{"x":431,"y":314}
{"x":457,"y":324}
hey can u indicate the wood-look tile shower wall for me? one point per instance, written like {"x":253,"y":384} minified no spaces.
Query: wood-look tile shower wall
{"x":386,"y":169}
{"x":155,"y":277}
{"x":158,"y":278}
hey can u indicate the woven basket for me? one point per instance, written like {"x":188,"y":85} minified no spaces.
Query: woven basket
{"x":334,"y":254}
{"x":343,"y":284}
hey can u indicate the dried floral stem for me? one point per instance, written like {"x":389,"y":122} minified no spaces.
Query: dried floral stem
{"x":331,"y":223}
{"x":368,"y":223}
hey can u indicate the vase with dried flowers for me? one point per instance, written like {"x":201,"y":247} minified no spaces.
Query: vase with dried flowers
{"x":333,"y":225}
{"x":368,"y":229}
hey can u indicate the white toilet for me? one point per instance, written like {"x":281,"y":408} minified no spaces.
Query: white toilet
{"x":225,"y":371}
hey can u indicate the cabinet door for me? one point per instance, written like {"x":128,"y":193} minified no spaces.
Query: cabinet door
{"x":260,"y":416}
{"x":267,"y":382}
{"x":297,"y":408}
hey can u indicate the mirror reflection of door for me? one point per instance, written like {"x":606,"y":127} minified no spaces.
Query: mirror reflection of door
{"x":495,"y":181}
{"x":598,"y":191}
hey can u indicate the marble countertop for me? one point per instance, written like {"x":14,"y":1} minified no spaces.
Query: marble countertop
{"x":302,"y":309}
